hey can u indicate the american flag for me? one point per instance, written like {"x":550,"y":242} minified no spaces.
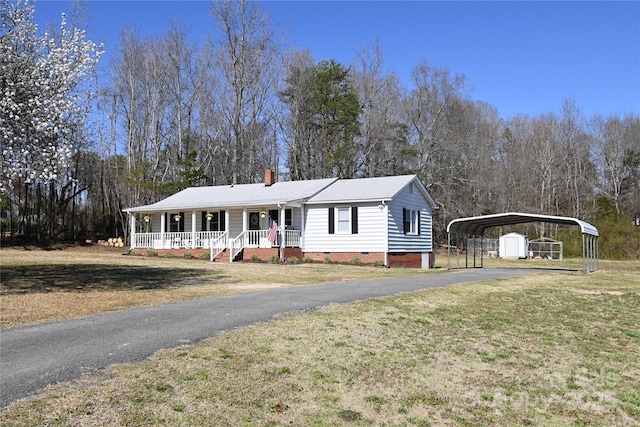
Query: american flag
{"x":273,"y":231}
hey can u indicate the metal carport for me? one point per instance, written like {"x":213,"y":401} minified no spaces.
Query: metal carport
{"x":475,"y":226}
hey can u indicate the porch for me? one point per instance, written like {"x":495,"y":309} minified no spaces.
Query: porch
{"x":216,"y":241}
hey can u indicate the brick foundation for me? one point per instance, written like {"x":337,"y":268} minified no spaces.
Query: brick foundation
{"x":176,"y":253}
{"x":346,"y":257}
{"x":264,"y":254}
{"x":395,"y":260}
{"x":405,"y":260}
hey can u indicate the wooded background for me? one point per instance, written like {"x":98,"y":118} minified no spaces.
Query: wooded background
{"x":168,"y":112}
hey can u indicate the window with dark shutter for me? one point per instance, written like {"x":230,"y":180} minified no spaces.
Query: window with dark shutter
{"x":222,"y":219}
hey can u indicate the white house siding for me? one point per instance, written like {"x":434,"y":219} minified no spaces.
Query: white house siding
{"x":235,"y":222}
{"x":398,"y":241}
{"x":370,"y":237}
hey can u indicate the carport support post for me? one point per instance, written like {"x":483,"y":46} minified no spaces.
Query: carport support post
{"x":584,"y":252}
{"x":449,"y":250}
{"x":466,"y":252}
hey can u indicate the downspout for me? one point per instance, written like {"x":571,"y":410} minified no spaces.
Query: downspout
{"x":385,"y":210}
{"x":302,"y":231}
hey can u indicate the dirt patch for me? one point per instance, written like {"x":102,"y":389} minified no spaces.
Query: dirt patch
{"x":592,"y":292}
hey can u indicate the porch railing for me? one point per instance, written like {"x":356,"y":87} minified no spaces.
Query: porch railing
{"x":216,"y":241}
{"x":292,"y":238}
{"x":217,"y":245}
{"x":199,"y":239}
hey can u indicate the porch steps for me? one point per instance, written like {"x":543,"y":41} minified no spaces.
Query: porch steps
{"x":224,"y":256}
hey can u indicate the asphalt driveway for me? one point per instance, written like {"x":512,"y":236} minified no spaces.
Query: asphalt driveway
{"x":32,"y":357}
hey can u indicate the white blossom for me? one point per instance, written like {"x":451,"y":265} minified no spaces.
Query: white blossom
{"x":42,"y":87}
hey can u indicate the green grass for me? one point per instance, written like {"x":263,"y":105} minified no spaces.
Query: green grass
{"x":547,"y":349}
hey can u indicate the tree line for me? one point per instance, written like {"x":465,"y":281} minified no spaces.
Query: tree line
{"x":168,"y":112}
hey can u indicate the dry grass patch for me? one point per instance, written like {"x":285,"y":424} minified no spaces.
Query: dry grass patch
{"x":39,"y":286}
{"x":531,"y":351}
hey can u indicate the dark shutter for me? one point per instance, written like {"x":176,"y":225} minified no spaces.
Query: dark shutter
{"x":332,"y":221}
{"x":404,"y":221}
{"x":203,"y":227}
{"x":181,"y":223}
{"x":287,"y":217}
{"x":222,"y":220}
{"x":167,"y":224}
{"x":354,"y":220}
{"x":418,"y":213}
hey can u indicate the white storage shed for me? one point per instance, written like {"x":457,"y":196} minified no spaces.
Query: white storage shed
{"x":513,"y":245}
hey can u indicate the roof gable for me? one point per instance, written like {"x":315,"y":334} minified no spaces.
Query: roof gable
{"x":369,"y":189}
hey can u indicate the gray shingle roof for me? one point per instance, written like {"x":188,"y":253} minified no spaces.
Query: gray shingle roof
{"x":229,"y":196}
{"x":330,"y":190}
{"x":363,"y":189}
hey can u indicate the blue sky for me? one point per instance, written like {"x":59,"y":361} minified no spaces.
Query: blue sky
{"x":520,"y":57}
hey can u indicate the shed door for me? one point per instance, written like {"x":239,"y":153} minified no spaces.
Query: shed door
{"x":512,"y":247}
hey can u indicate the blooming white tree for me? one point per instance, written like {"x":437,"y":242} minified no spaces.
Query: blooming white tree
{"x":44,"y":86}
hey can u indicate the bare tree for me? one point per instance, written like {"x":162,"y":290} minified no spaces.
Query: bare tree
{"x":383,"y":141}
{"x":248,"y":62}
{"x":617,"y":156}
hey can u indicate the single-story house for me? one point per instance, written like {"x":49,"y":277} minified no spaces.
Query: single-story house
{"x":376,"y":220}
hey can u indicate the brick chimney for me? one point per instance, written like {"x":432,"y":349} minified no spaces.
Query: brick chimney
{"x":269,"y":177}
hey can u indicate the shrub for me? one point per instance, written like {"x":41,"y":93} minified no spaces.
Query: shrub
{"x":169,"y":254}
{"x":187,"y":255}
{"x":275,"y":259}
{"x":293,"y":260}
{"x":355,"y":261}
{"x":307,"y":258}
{"x":151,"y":252}
{"x":378,"y":263}
{"x":327,"y":259}
{"x":205,"y":255}
{"x":255,"y":258}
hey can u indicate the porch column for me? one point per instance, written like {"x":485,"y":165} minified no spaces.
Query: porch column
{"x":227,"y":220}
{"x":244,"y":219}
{"x":163,"y":228}
{"x":193,"y":229}
{"x":283,"y":232}
{"x":132,"y":218}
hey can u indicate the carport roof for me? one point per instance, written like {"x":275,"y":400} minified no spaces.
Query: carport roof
{"x":478,"y":224}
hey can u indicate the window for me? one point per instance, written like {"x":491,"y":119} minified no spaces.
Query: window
{"x":274,"y":214}
{"x":175,"y":222}
{"x":213,"y":221}
{"x":288,"y":218}
{"x":343,"y":220}
{"x":411,"y":220}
